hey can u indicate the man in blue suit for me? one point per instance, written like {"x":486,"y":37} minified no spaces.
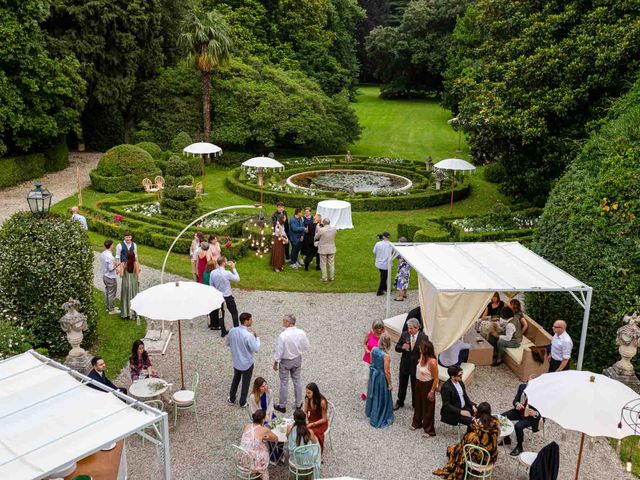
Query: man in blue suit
{"x":97,"y":374}
{"x":296,"y":232}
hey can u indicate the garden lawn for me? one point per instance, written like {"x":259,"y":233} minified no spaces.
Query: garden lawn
{"x":411,"y":129}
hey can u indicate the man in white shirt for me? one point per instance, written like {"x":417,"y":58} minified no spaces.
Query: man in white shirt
{"x":244,"y":344}
{"x":221,"y":279}
{"x":292,"y":343}
{"x":109,"y":276}
{"x":561,"y":346}
{"x":125,"y":246}
{"x":383,"y":250}
{"x":75,"y":216}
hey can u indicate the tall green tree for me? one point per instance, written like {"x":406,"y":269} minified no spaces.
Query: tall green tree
{"x":206,"y":40}
{"x":40,"y":97}
{"x":377,"y":13}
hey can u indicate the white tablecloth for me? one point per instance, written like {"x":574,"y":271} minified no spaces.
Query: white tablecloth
{"x":338,"y":211}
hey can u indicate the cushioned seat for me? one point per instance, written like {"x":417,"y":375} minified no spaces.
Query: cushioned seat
{"x":467,"y":373}
{"x":393,"y":326}
{"x":516,"y":353}
{"x":183,"y":396}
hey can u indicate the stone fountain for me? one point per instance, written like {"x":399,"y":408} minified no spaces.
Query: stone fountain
{"x":627,"y":339}
{"x":73,"y":323}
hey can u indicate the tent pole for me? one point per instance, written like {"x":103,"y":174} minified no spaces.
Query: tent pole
{"x":579,"y":456}
{"x":389,"y":264}
{"x":180,"y":348}
{"x":585,"y":325}
{"x":165,"y":446}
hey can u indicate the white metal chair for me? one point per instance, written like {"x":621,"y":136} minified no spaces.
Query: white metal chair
{"x":304,"y":461}
{"x":148,"y":185}
{"x":331,"y":411}
{"x":525,"y":459}
{"x":157,"y":404}
{"x":245,"y":464}
{"x":477,"y":462}
{"x":186,"y":399}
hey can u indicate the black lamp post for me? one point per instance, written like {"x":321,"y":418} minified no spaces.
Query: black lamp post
{"x":39,"y":200}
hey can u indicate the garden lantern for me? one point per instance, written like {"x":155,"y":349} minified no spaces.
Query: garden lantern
{"x":39,"y":200}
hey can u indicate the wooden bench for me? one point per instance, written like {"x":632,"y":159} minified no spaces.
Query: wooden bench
{"x":521,"y":360}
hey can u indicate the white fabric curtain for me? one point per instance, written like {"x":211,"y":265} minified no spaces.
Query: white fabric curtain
{"x":448,"y":315}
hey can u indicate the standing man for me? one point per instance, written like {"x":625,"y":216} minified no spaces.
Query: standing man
{"x":292,"y":343}
{"x":296,"y":227}
{"x":326,"y":238}
{"x":561,"y":346}
{"x":457,"y":407}
{"x":244,"y":343}
{"x":409,"y":347}
{"x":220,"y":279}
{"x":75,"y":216}
{"x":126,"y":246}
{"x":109,"y":276}
{"x":274,"y":218}
{"x":383,"y":250}
{"x":307,"y":218}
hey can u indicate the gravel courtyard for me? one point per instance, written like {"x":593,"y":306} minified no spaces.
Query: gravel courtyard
{"x":335,"y":324}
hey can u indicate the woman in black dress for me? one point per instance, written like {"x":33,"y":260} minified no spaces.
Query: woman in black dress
{"x":494,"y":307}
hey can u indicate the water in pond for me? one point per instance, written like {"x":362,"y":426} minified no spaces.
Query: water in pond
{"x":349,"y":180}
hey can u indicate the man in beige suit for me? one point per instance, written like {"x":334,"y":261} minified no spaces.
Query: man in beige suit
{"x":326,"y":238}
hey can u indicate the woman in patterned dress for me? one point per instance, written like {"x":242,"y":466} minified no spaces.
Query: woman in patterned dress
{"x":254,"y":440}
{"x":402,"y":276}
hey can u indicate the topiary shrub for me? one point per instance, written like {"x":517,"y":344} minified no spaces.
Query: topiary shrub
{"x":194,"y":164}
{"x":591,"y":229}
{"x":431,"y":232}
{"x":178,"y":199}
{"x":151,"y":148}
{"x":14,"y":170}
{"x":54,"y":262}
{"x":180,"y":141}
{"x":495,"y":173}
{"x":122,"y":168}
{"x":57,"y":156}
{"x":14,"y":338}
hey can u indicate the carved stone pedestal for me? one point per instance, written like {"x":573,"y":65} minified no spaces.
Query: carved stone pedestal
{"x":73,"y":323}
{"x":627,"y":338}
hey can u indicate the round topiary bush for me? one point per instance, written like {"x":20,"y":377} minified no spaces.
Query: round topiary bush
{"x":194,"y":164}
{"x":495,"y":172}
{"x":122,"y":168}
{"x":180,"y":141}
{"x":43,"y":263}
{"x":151,"y":148}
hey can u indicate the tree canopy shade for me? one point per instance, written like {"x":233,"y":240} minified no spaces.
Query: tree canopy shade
{"x":526,"y":78}
{"x":410,"y":59}
{"x":40,"y":97}
{"x":205,"y":38}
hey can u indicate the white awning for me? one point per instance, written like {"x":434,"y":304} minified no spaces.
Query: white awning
{"x":486,"y":267}
{"x":50,"y":417}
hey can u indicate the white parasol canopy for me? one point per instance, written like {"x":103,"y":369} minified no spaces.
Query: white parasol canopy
{"x":583,"y":401}
{"x":262,"y":162}
{"x":202,"y":148}
{"x":454,"y":164}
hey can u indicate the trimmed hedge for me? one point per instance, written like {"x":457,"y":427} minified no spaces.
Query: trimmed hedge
{"x":14,"y":170}
{"x":151,"y":148}
{"x":431,"y":232}
{"x":122,"y":168}
{"x":495,"y":235}
{"x":407,"y":230}
{"x":57,"y":156}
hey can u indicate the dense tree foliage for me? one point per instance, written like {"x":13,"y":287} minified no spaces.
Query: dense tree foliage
{"x":377,"y":13}
{"x":40,"y":97}
{"x":526,"y":78}
{"x":591,"y":228}
{"x":410,"y":59}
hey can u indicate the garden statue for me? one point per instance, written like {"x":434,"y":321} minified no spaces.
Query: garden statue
{"x":348,"y":158}
{"x":440,"y":177}
{"x":73,"y":323}
{"x":429,"y":163}
{"x":627,"y":339}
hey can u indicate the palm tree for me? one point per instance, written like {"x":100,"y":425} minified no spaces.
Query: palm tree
{"x":206,"y":40}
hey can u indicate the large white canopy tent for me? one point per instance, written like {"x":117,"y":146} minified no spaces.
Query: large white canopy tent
{"x":456,"y":281}
{"x":51,"y":417}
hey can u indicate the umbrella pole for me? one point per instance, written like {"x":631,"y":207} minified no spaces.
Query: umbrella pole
{"x":579,"y":456}
{"x":452,"y":186}
{"x":202,"y":157}
{"x":180,"y":348}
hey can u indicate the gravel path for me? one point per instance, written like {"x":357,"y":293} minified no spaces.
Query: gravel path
{"x":62,"y":184}
{"x":335,"y":324}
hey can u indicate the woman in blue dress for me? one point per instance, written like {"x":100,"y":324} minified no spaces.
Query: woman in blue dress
{"x":401,"y":283}
{"x":379,"y":407}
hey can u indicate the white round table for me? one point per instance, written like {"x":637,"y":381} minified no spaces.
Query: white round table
{"x":142,"y":388}
{"x":338,"y":211}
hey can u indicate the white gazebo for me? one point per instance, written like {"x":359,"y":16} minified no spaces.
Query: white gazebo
{"x":50,"y":417}
{"x":456,"y":281}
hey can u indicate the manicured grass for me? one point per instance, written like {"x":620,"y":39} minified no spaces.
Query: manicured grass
{"x":630,"y":448}
{"x":412,"y":129}
{"x":115,"y":337}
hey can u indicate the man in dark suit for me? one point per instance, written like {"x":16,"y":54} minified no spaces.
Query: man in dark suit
{"x":524,"y":416}
{"x":409,"y":346}
{"x":97,"y":374}
{"x":457,"y":407}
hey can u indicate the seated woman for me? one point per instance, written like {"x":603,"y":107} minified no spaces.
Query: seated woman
{"x":254,"y":438}
{"x":315,"y":406}
{"x":483,"y":432}
{"x":300,"y":434}
{"x":511,"y":338}
{"x":139,"y":361}
{"x":261,"y":398}
{"x":517,"y":313}
{"x":494,"y":307}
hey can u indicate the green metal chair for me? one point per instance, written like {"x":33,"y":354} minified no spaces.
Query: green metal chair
{"x":245,"y":464}
{"x":477,"y":462}
{"x":304,"y":461}
{"x":186,"y":399}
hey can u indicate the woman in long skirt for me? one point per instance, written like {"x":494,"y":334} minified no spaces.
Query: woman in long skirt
{"x":130,"y":273}
{"x":425,"y":392}
{"x":279,"y":241}
{"x":379,"y":407}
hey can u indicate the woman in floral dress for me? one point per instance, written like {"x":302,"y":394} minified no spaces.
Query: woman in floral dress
{"x":402,"y":276}
{"x":254,"y":440}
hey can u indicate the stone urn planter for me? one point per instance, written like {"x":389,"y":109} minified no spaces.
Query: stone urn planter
{"x":73,"y":323}
{"x":627,"y":338}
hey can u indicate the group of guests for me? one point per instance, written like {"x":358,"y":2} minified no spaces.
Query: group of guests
{"x":310,"y":237}
{"x":125,"y":265}
{"x":383,"y":251}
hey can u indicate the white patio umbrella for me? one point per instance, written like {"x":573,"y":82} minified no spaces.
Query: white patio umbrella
{"x":583,"y":401}
{"x":456,"y":165}
{"x":177,"y":301}
{"x":260,"y":163}
{"x":202,"y":149}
